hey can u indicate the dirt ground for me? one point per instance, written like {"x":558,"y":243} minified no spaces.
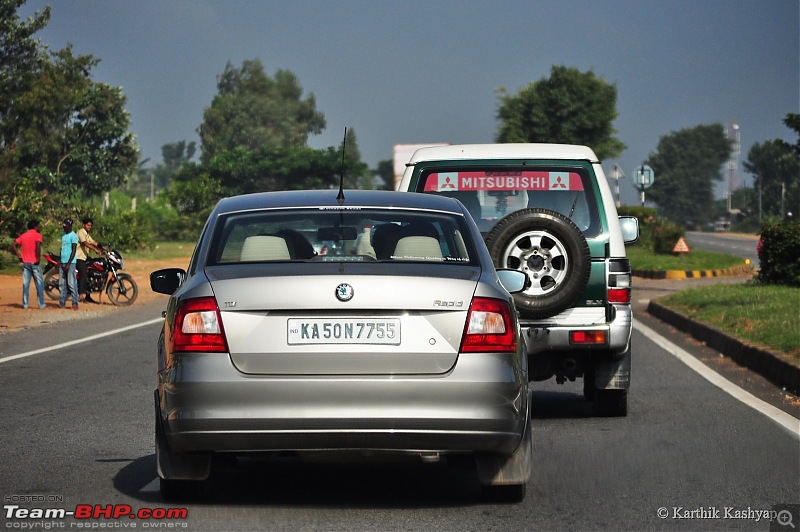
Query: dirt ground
{"x":13,"y":317}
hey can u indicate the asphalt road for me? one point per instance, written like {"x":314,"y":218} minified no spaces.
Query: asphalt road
{"x":76,"y":429}
{"x":737,"y":245}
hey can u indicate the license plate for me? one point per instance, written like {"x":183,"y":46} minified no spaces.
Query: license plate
{"x":383,"y":331}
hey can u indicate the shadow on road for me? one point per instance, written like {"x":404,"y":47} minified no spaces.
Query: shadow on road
{"x":560,"y":405}
{"x":315,"y":481}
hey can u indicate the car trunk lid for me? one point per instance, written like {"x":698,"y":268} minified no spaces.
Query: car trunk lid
{"x":344,"y":319}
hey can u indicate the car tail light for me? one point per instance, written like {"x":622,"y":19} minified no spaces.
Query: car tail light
{"x":588,"y":337}
{"x":198,"y":327}
{"x":489,"y":327}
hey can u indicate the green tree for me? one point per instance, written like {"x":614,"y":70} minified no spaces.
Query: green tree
{"x":792,"y":121}
{"x":686,"y":164}
{"x":20,"y":58}
{"x":385,"y":172}
{"x":61,"y":133}
{"x":569,"y":107}
{"x":356,"y":173}
{"x":193,"y":193}
{"x":775,"y":166}
{"x":75,"y":130}
{"x":269,"y":168}
{"x":174,"y":155}
{"x":252,"y":110}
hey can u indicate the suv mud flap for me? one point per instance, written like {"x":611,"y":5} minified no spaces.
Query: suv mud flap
{"x":613,"y":373}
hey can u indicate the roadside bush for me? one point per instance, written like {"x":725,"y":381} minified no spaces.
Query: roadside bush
{"x":642,"y":213}
{"x":779,"y":253}
{"x":124,"y":231}
{"x":655,"y":234}
{"x":665,"y":235}
{"x":167,"y":224}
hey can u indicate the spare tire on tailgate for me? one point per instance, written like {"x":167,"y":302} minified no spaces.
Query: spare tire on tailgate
{"x":550,"y":249}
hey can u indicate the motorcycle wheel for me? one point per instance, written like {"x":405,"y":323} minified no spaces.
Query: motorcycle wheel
{"x":51,"y":281}
{"x":123,"y":291}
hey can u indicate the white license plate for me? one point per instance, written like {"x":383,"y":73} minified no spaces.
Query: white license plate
{"x":385,"y":331}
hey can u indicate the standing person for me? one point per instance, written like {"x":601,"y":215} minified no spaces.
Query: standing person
{"x":85,"y":242}
{"x":28,"y":248}
{"x":67,"y":280}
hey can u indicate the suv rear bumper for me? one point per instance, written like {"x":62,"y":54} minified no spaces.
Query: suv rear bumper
{"x":553,"y":334}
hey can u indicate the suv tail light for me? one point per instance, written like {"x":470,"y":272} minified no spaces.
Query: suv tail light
{"x":489,"y":327}
{"x":588,"y":337}
{"x":619,"y":281}
{"x":198,"y":327}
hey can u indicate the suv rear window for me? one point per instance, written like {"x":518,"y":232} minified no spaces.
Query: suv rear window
{"x":492,"y":193}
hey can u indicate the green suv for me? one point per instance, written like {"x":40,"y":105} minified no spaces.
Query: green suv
{"x":547,"y":210}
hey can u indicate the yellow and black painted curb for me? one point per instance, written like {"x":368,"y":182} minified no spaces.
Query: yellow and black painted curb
{"x":693,"y":274}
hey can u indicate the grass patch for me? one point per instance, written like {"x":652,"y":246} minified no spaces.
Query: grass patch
{"x":766,"y":315}
{"x":643,"y":259}
{"x":162,"y":250}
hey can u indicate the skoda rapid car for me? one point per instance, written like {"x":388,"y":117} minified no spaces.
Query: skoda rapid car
{"x":367,"y":321}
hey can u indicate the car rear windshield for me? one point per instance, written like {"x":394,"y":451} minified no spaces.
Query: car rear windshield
{"x":490,"y":193}
{"x":341,"y":235}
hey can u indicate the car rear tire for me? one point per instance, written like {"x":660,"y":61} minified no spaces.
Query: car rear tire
{"x":551,"y":250}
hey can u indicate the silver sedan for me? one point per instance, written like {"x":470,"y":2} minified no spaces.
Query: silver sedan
{"x":372,"y":323}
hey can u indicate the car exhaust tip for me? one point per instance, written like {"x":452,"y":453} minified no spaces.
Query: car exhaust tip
{"x":430,"y":458}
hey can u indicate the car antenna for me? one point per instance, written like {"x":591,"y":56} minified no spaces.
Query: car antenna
{"x":340,"y":197}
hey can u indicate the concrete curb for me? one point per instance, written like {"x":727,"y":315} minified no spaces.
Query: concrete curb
{"x":693,"y":274}
{"x":766,"y":362}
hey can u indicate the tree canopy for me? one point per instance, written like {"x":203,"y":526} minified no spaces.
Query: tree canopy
{"x":775,"y":166}
{"x":569,"y":107}
{"x":252,"y":110}
{"x":686,"y":164}
{"x":61,"y":132}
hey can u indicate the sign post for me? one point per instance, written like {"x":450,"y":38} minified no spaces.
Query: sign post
{"x":681,"y":248}
{"x":616,"y":174}
{"x":643,"y":178}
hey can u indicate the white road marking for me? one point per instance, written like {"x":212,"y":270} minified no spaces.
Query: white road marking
{"x":788,"y":422}
{"x":81,"y":340}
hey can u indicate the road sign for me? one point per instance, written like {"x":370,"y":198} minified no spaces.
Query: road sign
{"x":643,"y":177}
{"x":616,"y":173}
{"x":681,"y":246}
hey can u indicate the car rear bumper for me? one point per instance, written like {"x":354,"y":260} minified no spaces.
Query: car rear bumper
{"x":480,"y":405}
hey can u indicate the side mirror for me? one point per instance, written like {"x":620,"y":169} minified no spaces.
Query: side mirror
{"x":512,"y":280}
{"x":167,"y":281}
{"x":630,"y":229}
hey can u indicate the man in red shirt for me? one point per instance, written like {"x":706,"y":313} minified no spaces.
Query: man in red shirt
{"x":28,"y":248}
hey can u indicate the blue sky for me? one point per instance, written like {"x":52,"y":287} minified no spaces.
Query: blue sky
{"x":427,"y":71}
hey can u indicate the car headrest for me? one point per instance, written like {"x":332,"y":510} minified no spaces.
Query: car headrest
{"x":264,"y":247}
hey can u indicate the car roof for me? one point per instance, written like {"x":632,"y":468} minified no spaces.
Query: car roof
{"x":328,"y":198}
{"x":503,"y":151}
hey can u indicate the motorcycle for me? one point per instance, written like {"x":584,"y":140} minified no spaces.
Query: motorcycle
{"x":103,"y":275}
